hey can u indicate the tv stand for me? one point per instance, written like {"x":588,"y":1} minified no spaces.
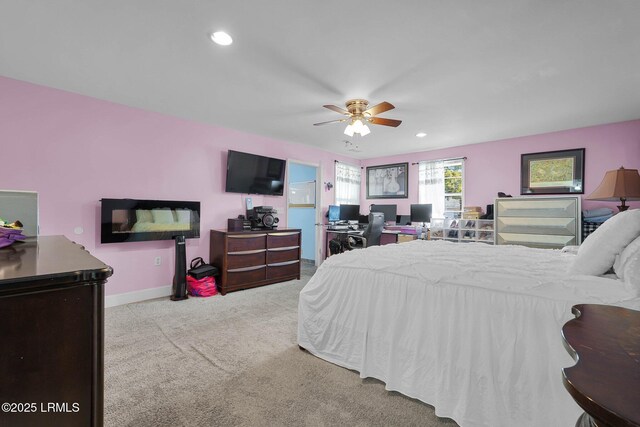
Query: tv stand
{"x":247,"y":259}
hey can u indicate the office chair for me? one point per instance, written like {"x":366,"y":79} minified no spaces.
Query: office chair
{"x":373,"y":232}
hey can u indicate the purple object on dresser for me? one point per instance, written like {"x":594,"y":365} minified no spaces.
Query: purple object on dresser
{"x":10,"y":235}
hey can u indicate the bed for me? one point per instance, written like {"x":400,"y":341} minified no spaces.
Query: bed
{"x":472,"y":329}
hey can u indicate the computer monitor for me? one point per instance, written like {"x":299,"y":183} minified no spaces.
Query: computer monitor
{"x":403,"y":220}
{"x":421,"y":213}
{"x":389,"y":211}
{"x":349,"y":212}
{"x":333,"y":215}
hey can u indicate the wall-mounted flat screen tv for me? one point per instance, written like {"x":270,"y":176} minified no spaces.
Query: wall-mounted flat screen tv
{"x":131,"y":220}
{"x":253,"y":174}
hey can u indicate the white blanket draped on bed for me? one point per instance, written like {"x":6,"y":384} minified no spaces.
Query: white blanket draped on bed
{"x":472,"y":329}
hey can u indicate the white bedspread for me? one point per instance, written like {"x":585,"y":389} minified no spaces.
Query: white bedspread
{"x":472,"y":329}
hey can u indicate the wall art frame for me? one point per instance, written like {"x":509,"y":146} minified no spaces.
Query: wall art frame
{"x":388,"y":181}
{"x":552,"y":172}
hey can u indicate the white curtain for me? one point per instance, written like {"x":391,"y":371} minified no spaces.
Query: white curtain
{"x":347,"y":184}
{"x":431,"y":186}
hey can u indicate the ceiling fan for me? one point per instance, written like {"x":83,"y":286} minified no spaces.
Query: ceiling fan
{"x":359,"y":115}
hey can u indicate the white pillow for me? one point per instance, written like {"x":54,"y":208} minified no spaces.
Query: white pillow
{"x":162,"y":216}
{"x":627,"y":266}
{"x":598,"y":251}
{"x":143,"y":215}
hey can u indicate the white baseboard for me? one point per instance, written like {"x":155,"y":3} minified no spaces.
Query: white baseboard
{"x":137,"y":296}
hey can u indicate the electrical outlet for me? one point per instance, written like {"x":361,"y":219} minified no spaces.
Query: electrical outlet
{"x":157,"y":260}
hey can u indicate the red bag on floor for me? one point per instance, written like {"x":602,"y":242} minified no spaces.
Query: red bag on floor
{"x":205,"y":287}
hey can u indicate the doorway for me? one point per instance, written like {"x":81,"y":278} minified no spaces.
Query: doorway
{"x":303,"y":206}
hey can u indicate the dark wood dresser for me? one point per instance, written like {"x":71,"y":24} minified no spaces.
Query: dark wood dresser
{"x":247,"y":259}
{"x":51,"y":330}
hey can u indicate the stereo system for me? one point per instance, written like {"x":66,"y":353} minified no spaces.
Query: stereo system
{"x":264,"y":217}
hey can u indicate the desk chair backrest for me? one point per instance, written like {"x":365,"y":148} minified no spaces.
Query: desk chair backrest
{"x":374,"y":229}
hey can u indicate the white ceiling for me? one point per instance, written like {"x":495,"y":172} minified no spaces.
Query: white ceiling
{"x":463,"y":71}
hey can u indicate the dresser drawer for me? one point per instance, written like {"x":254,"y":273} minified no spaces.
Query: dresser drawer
{"x":246,"y":275}
{"x":247,"y":242}
{"x":283,"y":239}
{"x":535,"y":240}
{"x":284,"y":269}
{"x":522,"y":225}
{"x":288,"y":253}
{"x":538,"y":207}
{"x":246,"y":259}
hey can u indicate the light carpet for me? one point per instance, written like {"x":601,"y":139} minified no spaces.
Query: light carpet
{"x":233,"y":360}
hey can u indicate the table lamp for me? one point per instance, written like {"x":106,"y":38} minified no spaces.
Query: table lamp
{"x":620,"y":184}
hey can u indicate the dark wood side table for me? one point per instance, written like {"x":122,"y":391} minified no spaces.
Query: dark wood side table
{"x":51,"y":334}
{"x":605,"y":342}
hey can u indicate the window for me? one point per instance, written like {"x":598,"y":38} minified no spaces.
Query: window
{"x":442,"y":184}
{"x":347,"y":184}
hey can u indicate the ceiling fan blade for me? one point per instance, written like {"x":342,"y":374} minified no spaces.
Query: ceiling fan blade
{"x":330,"y":121}
{"x":337,"y":109}
{"x":385,"y":122}
{"x":380,"y":108}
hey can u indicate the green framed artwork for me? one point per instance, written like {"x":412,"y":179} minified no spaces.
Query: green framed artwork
{"x":552,"y":172}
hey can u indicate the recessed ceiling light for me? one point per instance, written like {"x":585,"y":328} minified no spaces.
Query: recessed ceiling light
{"x":421,"y":134}
{"x":221,"y":38}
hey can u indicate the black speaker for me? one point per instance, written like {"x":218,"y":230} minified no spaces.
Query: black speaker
{"x":264,"y":217}
{"x":179,"y":290}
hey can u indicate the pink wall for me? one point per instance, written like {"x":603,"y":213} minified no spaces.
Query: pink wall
{"x":495,"y":166}
{"x":74,"y":150}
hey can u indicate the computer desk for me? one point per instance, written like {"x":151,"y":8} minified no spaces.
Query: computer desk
{"x":387,"y":237}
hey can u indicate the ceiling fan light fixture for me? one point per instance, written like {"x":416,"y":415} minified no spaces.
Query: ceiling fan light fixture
{"x":359,"y":115}
{"x":221,"y":38}
{"x":357,"y":126}
{"x":349,"y":130}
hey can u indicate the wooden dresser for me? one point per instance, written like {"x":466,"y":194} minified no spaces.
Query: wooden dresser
{"x":51,"y":330}
{"x":247,"y":259}
{"x":538,"y":221}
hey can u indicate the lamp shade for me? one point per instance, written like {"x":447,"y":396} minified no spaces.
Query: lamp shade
{"x":618,"y":184}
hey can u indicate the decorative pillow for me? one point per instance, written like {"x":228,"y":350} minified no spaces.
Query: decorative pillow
{"x":143,"y":215}
{"x":162,"y":216}
{"x":627,"y":266}
{"x":598,"y":251}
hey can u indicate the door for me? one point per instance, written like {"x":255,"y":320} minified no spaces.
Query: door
{"x":303,"y":205}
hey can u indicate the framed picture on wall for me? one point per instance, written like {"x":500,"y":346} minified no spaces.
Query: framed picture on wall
{"x":552,"y":172}
{"x":388,"y":181}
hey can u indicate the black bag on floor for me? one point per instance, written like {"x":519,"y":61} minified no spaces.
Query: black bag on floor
{"x":200,"y":269}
